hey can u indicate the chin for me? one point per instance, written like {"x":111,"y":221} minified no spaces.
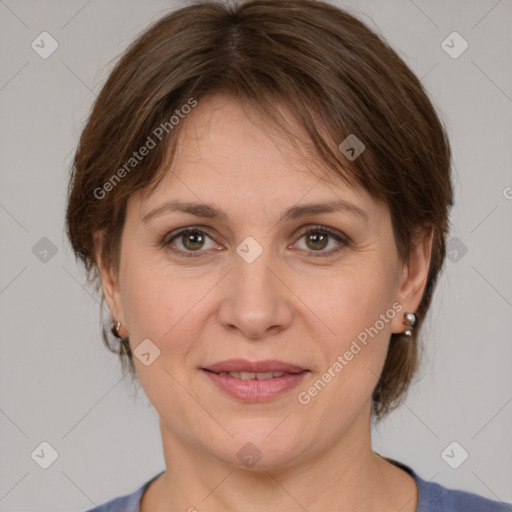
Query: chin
{"x":259,"y":451}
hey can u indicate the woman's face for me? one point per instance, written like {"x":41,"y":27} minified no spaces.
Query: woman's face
{"x":261,"y":281}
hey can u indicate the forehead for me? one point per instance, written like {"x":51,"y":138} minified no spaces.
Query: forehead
{"x":236,"y":139}
{"x":230,"y":153}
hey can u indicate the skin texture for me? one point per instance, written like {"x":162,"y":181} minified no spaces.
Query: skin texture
{"x":284,"y":305}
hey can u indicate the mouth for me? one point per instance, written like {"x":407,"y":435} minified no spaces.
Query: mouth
{"x":254,"y":375}
{"x":255,"y":381}
{"x":257,"y":367}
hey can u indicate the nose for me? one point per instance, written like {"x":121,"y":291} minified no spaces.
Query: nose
{"x":256,"y":301}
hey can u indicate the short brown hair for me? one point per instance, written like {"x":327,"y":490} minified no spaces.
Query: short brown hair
{"x":335,"y":75}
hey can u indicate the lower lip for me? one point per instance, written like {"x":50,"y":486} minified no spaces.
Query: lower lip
{"x":254,"y":390}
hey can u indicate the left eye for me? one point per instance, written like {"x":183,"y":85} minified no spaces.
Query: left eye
{"x":317,"y":239}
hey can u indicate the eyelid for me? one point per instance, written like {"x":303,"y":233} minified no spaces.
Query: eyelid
{"x":176,"y":233}
{"x":325,"y":229}
{"x":341,"y":238}
{"x":180,"y":231}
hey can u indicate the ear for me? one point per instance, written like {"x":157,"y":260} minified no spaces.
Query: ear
{"x":109,"y":283}
{"x":413,"y":278}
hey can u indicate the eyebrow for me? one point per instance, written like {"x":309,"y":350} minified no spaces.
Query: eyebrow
{"x":209,"y":211}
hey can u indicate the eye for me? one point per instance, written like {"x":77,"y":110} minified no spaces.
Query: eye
{"x":188,"y":241}
{"x":317,"y":238}
{"x":191,"y":241}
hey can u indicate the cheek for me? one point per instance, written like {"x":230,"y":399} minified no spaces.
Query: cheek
{"x":356,"y":306}
{"x":163,"y":308}
{"x":164,"y":304}
{"x":352,"y":301}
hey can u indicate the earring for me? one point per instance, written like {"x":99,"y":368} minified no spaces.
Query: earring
{"x":115,"y":330}
{"x":410,"y":321}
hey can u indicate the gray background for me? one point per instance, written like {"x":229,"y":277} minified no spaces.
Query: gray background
{"x":60,"y":385}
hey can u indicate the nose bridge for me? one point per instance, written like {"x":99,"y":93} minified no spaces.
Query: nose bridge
{"x":252,"y":262}
{"x":255,"y":277}
{"x":255,"y":299}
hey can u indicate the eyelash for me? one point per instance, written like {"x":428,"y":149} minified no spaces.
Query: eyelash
{"x":170,"y":237}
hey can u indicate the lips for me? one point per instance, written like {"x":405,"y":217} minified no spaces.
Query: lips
{"x":242,"y":365}
{"x":255,"y":381}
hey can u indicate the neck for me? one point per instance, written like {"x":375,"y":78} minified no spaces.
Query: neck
{"x":347,"y":476}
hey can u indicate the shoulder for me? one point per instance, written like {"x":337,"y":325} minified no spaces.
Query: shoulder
{"x":436,"y":498}
{"x":433,"y":497}
{"x":126,"y":503}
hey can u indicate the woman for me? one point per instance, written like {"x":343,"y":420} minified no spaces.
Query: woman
{"x":263,"y":192}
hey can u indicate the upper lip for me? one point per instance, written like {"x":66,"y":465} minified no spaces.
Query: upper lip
{"x":242,"y":365}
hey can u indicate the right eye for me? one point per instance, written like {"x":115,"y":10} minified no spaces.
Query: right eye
{"x":191,"y":240}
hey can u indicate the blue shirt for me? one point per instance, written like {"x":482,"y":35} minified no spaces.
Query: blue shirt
{"x":432,"y":497}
